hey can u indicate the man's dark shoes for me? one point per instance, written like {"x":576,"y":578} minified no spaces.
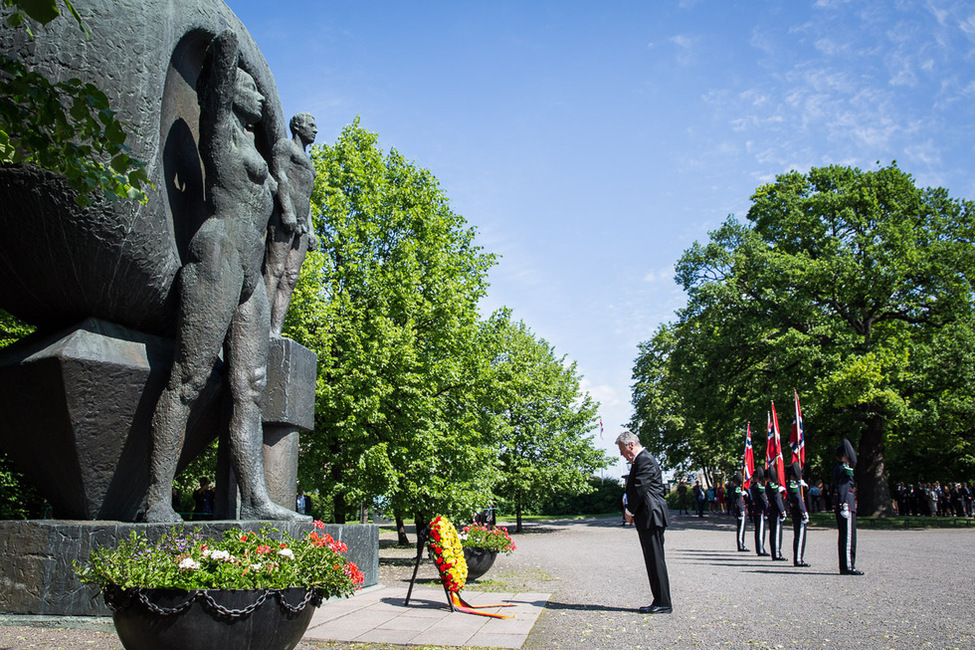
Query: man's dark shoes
{"x":763,"y":554}
{"x":852,"y":572}
{"x":743,"y":549}
{"x":781,"y":558}
{"x":801,"y":563}
{"x":656,"y":609}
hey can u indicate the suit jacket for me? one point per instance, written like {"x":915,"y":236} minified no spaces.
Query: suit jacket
{"x":645,"y":492}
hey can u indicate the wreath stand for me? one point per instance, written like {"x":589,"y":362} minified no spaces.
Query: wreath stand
{"x":454,"y":600}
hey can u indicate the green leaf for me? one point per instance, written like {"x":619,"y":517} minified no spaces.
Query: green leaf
{"x":43,"y":11}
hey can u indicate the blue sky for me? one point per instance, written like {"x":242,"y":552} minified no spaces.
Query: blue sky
{"x":591,"y":143}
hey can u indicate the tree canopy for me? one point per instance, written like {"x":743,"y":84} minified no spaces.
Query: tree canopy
{"x":394,"y":322}
{"x":544,"y":418}
{"x":853,"y":287}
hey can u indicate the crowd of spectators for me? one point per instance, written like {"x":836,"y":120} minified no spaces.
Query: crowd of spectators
{"x":934,"y":499}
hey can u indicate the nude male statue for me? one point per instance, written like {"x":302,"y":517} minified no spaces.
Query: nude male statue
{"x":223,"y":300}
{"x":291,"y":233}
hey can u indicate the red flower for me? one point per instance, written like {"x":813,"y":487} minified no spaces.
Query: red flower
{"x":319,"y":524}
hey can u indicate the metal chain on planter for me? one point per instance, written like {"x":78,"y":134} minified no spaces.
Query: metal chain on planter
{"x":121,"y":599}
{"x":220,"y":610}
{"x":165,"y":611}
{"x":311,"y":596}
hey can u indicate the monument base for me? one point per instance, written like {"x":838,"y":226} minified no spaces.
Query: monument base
{"x":37,"y":558}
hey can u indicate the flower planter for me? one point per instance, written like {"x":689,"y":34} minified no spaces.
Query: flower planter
{"x":479,"y":560}
{"x":214,"y":619}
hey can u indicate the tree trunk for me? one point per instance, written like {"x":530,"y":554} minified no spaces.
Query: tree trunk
{"x":338,"y":499}
{"x":518,"y":517}
{"x":401,"y":537}
{"x":873,"y":492}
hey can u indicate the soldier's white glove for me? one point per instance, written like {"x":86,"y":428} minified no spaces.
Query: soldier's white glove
{"x":805,"y":517}
{"x":845,"y":511}
{"x":782,"y":517}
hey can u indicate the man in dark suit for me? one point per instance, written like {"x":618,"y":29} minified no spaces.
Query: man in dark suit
{"x":647,"y":509}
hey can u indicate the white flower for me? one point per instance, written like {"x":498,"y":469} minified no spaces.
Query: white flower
{"x":256,"y":567}
{"x":219,"y":556}
{"x":287,"y":552}
{"x":189,"y":564}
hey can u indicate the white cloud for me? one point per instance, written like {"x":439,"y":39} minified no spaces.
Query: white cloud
{"x":665,"y":274}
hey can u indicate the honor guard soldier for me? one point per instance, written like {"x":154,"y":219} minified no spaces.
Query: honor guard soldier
{"x":740,"y":511}
{"x":776,"y":516}
{"x":844,"y":502}
{"x":759,"y":510}
{"x":797,"y":510}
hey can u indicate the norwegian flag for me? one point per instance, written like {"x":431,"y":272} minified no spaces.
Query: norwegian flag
{"x":773,"y":449}
{"x":797,"y":440}
{"x":748,"y":462}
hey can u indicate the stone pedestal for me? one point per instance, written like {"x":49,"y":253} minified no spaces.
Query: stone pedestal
{"x":37,"y":575}
{"x":289,"y":407}
{"x":75,"y":413}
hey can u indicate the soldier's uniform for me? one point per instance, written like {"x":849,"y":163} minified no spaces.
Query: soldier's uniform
{"x":738,"y":508}
{"x":759,"y":509}
{"x":776,"y":517}
{"x":797,"y":510}
{"x":844,"y":501}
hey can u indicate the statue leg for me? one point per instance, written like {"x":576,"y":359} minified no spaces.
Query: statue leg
{"x":206,"y":307}
{"x":247,"y":350}
{"x":275,"y":264}
{"x":292,"y":271}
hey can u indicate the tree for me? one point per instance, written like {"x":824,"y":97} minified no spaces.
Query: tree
{"x":544,"y":445}
{"x":390,"y":306}
{"x":852,"y":287}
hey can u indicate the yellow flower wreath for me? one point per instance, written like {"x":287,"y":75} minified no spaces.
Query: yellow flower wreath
{"x":448,"y":554}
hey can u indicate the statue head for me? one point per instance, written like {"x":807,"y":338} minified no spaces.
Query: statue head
{"x":303,"y":126}
{"x":248,"y":100}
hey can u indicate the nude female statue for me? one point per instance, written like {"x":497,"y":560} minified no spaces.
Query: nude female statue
{"x":222,"y":296}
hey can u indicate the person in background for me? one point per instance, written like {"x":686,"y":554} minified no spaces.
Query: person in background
{"x":700,"y":498}
{"x":203,"y":500}
{"x":682,"y":498}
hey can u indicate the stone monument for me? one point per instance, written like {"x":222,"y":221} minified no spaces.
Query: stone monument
{"x":153,"y":320}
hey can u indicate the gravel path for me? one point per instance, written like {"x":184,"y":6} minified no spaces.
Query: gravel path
{"x":917,"y":591}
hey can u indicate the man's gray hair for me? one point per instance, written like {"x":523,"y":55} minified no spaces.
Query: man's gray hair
{"x":626,"y":438}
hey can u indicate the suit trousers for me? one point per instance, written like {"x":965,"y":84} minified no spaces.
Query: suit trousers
{"x":652,"y":541}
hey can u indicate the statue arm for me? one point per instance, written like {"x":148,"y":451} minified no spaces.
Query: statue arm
{"x":217,"y":85}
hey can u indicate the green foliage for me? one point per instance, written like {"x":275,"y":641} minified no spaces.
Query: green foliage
{"x":490,"y":539}
{"x":42,"y":11}
{"x":852,"y":287}
{"x":543,"y":418}
{"x":389,"y":303}
{"x":605,"y":496}
{"x":12,"y":329}
{"x":65,"y":127}
{"x":268,"y":559}
{"x":18,"y":498}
